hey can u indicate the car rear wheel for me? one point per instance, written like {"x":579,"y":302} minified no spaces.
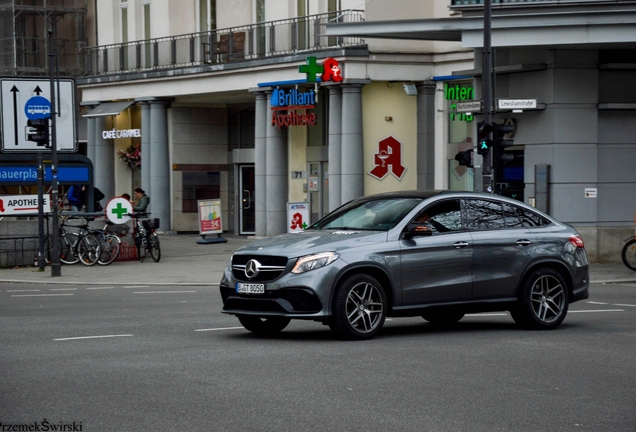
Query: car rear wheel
{"x":443,"y":317}
{"x":543,"y":301}
{"x":359,"y":308}
{"x":263,"y":326}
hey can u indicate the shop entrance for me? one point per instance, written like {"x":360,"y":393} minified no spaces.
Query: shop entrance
{"x":246,"y":209}
{"x":318,"y":189}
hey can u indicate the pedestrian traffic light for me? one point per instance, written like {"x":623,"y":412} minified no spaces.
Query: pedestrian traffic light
{"x":501,"y":143}
{"x":483,"y":137}
{"x":40,"y":131}
{"x":464,"y":158}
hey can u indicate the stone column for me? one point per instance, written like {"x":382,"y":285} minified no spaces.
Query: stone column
{"x":335,"y":147}
{"x":352,"y":174}
{"x":104,"y":160}
{"x":276,"y":177}
{"x":260,"y":142}
{"x":426,"y":135}
{"x":159,"y":164}
{"x":146,"y":132}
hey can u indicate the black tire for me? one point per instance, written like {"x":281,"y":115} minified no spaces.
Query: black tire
{"x":266,"y":326}
{"x":88,"y":250}
{"x":110,"y":246}
{"x":443,"y":317}
{"x":629,"y":254}
{"x":359,"y":308}
{"x":543,"y":301}
{"x":68,"y":248}
{"x":153,"y":247}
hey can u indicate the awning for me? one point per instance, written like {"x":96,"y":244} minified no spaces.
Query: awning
{"x":108,"y":109}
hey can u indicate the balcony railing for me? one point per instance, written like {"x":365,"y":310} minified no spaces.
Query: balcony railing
{"x":494,"y":2}
{"x":255,"y":41}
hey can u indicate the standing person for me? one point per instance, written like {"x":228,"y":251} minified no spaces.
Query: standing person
{"x":125,"y":195}
{"x":76,"y":197}
{"x":140,"y":204}
{"x":98,"y":196}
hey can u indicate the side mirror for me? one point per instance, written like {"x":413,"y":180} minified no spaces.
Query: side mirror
{"x":418,"y":230}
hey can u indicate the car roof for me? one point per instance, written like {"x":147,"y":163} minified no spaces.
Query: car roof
{"x":423,"y":194}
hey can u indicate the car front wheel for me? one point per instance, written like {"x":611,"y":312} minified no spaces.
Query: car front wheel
{"x":263,"y":326}
{"x":543,"y":301}
{"x":359,"y":308}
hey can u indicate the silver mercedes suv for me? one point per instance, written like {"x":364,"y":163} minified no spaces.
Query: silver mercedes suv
{"x":435,"y":254}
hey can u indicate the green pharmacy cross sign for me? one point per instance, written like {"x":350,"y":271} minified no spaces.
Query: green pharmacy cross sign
{"x":119,"y":211}
{"x":311,"y":69}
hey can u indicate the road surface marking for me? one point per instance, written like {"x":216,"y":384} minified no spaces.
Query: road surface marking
{"x":220,"y":328}
{"x":136,"y":286}
{"x":63,"y":289}
{"x":30,"y":290}
{"x":486,"y":314}
{"x":92,"y":337}
{"x":599,"y":303}
{"x":628,"y":305}
{"x":597,"y":310}
{"x":40,"y":295}
{"x":162,"y":292}
{"x":100,"y":288}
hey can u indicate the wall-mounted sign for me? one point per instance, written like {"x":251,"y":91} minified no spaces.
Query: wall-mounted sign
{"x":29,"y":175}
{"x":591,"y":193}
{"x":297,"y":216}
{"x":293,"y":99}
{"x":388,"y":159}
{"x":331,"y":70}
{"x":121,"y":133}
{"x":22,"y":204}
{"x":516,"y":104}
{"x":459,"y":93}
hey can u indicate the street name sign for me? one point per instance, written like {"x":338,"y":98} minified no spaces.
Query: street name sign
{"x":473,"y":106}
{"x":24,"y":99}
{"x":516,"y":104}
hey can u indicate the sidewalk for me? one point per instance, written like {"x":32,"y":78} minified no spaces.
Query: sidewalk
{"x":185,"y":262}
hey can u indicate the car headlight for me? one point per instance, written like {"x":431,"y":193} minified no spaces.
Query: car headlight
{"x":312,"y":262}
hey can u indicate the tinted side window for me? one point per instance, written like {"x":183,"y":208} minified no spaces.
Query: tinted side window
{"x":442,"y":217}
{"x":520,"y":217}
{"x":483,"y":215}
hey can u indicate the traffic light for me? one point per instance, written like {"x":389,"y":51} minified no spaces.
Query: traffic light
{"x":464,"y":158}
{"x":500,"y":143}
{"x":40,"y":133}
{"x":483,"y":137}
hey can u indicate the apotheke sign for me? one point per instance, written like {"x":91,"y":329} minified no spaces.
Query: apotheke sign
{"x":121,"y":133}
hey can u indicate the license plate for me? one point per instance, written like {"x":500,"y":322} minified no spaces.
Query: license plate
{"x":250,"y":288}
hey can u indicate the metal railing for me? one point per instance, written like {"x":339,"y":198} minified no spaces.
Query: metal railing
{"x":481,"y":2}
{"x":255,"y":41}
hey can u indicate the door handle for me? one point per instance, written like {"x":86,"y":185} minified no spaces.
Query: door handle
{"x":248,"y":200}
{"x":523,"y":242}
{"x":460,"y":245}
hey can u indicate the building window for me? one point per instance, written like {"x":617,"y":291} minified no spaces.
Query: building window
{"x":207,"y":15}
{"x":124,"y":21}
{"x":146,"y":9}
{"x":241,"y":129}
{"x":198,"y":185}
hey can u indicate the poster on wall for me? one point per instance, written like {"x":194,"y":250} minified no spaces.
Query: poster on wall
{"x":297,"y":216}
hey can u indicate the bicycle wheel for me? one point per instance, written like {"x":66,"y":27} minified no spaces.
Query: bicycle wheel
{"x":68,"y":248}
{"x":88,"y":250}
{"x":110,"y":249}
{"x":153,"y":247}
{"x":629,"y":254}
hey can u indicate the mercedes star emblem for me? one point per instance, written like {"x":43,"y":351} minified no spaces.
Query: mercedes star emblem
{"x":252,"y":268}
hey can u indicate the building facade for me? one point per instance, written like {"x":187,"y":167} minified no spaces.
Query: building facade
{"x":191,"y":85}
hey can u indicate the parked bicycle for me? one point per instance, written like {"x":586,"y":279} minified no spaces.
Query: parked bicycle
{"x":145,"y":236}
{"x":81,"y":246}
{"x":110,"y":243}
{"x":629,"y":253}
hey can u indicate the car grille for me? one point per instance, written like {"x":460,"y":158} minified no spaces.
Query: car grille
{"x":289,"y":300}
{"x":270,"y":267}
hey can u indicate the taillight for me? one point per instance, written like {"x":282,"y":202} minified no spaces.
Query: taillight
{"x":577,"y":241}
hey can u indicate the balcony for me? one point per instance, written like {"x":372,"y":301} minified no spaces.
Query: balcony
{"x":221,"y":47}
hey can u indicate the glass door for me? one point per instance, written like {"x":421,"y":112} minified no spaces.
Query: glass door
{"x":318,"y":189}
{"x":246,"y":193}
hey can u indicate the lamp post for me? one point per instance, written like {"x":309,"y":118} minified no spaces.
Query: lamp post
{"x":486,"y":90}
{"x":56,"y":267}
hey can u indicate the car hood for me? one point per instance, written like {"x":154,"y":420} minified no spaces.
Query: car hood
{"x":313,"y":241}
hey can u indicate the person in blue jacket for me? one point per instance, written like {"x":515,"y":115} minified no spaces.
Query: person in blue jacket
{"x":76,"y":197}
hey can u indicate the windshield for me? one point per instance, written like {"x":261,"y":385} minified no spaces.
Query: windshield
{"x":376,"y":215}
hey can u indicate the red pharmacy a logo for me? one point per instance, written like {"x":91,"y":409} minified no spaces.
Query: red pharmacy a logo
{"x":388,"y":159}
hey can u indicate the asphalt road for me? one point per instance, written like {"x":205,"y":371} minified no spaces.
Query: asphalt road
{"x":139,"y":358}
